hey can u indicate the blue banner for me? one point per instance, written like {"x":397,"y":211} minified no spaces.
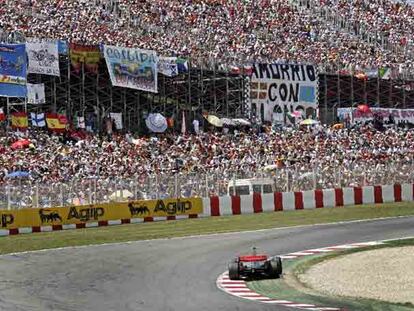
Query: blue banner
{"x":132,"y":68}
{"x":63,"y":47}
{"x":13,"y":70}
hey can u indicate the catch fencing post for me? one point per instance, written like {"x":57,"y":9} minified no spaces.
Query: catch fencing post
{"x":36,"y":200}
{"x":8,"y":197}
{"x":62,"y":199}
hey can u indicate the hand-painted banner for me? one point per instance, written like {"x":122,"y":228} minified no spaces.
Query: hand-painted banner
{"x":43,"y":57}
{"x":34,"y":217}
{"x":13,"y":70}
{"x":132,"y":68}
{"x":280,"y":89}
{"x":168,"y":66}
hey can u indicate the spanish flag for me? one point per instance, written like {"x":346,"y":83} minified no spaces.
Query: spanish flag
{"x":56,"y":123}
{"x":19,"y":121}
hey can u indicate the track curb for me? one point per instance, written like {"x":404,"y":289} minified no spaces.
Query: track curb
{"x":239,"y":288}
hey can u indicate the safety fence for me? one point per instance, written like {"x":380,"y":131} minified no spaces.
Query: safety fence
{"x":214,"y":181}
{"x":31,"y":220}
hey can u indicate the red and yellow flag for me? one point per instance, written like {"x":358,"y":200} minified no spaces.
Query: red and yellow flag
{"x":55,"y":122}
{"x":19,"y":120}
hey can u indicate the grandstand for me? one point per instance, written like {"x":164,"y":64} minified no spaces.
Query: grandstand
{"x":362,"y":52}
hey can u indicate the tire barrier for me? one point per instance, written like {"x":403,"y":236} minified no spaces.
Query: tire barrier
{"x":285,"y":201}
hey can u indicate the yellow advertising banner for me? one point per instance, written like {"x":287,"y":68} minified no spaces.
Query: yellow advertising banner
{"x":37,"y":217}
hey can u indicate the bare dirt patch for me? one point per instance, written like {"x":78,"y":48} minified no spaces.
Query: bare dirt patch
{"x":385,"y":274}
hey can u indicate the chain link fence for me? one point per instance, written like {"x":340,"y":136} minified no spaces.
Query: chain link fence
{"x":22,"y":194}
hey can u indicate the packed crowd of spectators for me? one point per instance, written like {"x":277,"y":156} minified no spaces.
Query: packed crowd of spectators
{"x":321,"y":157}
{"x":225,"y":31}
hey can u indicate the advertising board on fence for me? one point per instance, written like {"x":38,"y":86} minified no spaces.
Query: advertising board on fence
{"x":13,"y":70}
{"x":399,"y":115}
{"x":132,"y":68}
{"x":37,"y":217}
{"x":278,"y":89}
{"x":43,"y":56}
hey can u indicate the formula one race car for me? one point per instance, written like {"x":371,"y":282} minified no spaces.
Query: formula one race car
{"x":255,"y":265}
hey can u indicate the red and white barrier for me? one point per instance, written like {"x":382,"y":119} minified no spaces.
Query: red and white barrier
{"x":285,"y":201}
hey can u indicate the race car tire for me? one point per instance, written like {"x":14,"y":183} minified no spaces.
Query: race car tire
{"x":275,"y":267}
{"x":234,"y":271}
{"x":279,"y":263}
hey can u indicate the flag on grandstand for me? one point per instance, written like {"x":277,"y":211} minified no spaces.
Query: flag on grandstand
{"x":384,"y":73}
{"x":55,"y":122}
{"x":182,"y":65}
{"x":117,"y":117}
{"x":19,"y":120}
{"x":87,"y":54}
{"x":168,"y":66}
{"x":2,"y":115}
{"x":80,"y":122}
{"x":183,"y":125}
{"x":43,"y":56}
{"x":38,"y":119}
{"x":36,"y":93}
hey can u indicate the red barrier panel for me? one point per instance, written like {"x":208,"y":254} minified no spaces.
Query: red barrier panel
{"x":397,"y":193}
{"x":358,"y":195}
{"x":102,"y":223}
{"x":215,"y":206}
{"x":299,"y":200}
{"x":235,"y":205}
{"x":318,"y":198}
{"x":378,"y":195}
{"x":339,"y":197}
{"x":257,"y":203}
{"x":278,"y":201}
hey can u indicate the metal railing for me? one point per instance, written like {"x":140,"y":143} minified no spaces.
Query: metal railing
{"x":22,"y":194}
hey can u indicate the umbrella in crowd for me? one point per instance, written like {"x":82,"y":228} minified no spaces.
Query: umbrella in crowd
{"x":309,"y":122}
{"x":18,"y":174}
{"x":296,"y":114}
{"x":242,"y":122}
{"x":364,"y":108}
{"x":156,"y":122}
{"x":213,"y":120}
{"x":228,"y":122}
{"x":21,"y":144}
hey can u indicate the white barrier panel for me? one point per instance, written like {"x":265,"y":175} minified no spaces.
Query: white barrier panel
{"x":246,"y":204}
{"x":268,"y":202}
{"x":309,"y":199}
{"x":349,"y":197}
{"x":329,"y":198}
{"x":368,"y":195}
{"x":288,"y":201}
{"x":388,"y":194}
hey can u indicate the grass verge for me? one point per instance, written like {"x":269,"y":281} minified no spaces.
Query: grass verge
{"x":181,"y":228}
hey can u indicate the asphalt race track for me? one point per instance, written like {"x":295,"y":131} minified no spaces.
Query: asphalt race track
{"x":162,"y":275}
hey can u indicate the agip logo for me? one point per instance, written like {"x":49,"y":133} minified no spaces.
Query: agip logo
{"x":6,"y":220}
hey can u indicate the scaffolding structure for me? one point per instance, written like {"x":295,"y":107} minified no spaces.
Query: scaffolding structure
{"x":203,"y":88}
